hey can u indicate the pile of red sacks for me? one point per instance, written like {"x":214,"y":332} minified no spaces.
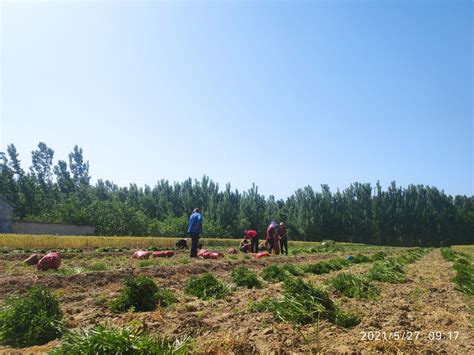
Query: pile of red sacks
{"x":206,"y":254}
{"x":49,"y":261}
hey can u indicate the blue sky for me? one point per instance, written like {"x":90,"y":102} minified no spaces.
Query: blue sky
{"x":282,"y":94}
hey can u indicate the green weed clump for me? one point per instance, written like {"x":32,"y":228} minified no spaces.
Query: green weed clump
{"x":292,"y":269}
{"x":448,"y":254}
{"x":387,"y":271}
{"x":142,"y":294}
{"x":411,"y":256}
{"x":34,"y":319}
{"x":130,"y":340}
{"x":275,"y":273}
{"x":354,"y":286}
{"x":343,"y":318}
{"x":324,"y":267}
{"x":206,"y":287}
{"x":304,"y":303}
{"x":243,"y":277}
{"x":378,"y":256}
{"x":464,"y":278}
{"x":359,"y":259}
{"x":96,"y":266}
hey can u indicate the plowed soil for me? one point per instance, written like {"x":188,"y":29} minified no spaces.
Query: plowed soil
{"x":428,"y":302}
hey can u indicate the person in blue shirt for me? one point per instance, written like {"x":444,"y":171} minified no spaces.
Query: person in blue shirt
{"x":194,"y":229}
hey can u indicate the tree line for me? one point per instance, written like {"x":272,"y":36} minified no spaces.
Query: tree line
{"x":415,"y":215}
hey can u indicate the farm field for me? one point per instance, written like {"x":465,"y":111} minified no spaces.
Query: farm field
{"x":423,"y":311}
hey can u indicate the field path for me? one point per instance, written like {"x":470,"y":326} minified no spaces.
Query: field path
{"x":428,"y":302}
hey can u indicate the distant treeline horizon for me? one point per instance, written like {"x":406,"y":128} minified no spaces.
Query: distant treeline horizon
{"x":416,"y":215}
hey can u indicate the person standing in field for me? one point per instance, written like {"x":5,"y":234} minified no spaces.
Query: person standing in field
{"x":283,"y":238}
{"x":194,"y":230}
{"x":253,"y":236}
{"x":272,"y":238}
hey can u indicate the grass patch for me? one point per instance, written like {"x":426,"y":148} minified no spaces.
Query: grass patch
{"x":292,"y":269}
{"x":448,"y":254}
{"x":304,"y":303}
{"x":206,"y":287}
{"x":142,"y":294}
{"x":325,"y":267}
{"x":96,"y":266}
{"x":34,"y":319}
{"x":387,"y":271}
{"x":354,"y":286}
{"x":243,"y":277}
{"x":360,"y":258}
{"x":464,"y":278}
{"x":275,"y":273}
{"x":130,"y":340}
{"x":381,"y":255}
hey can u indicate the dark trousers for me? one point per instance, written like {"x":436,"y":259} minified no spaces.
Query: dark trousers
{"x":194,"y":244}
{"x":254,"y":245}
{"x":284,"y":245}
{"x":270,"y":245}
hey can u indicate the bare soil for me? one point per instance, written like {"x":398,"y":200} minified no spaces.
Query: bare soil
{"x":427,"y":303}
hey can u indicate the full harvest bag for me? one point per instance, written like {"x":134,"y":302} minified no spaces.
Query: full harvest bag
{"x":262,"y":254}
{"x":49,"y":261}
{"x":163,"y":254}
{"x":141,"y":254}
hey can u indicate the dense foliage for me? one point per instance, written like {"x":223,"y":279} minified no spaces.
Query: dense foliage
{"x":33,"y":319}
{"x":130,"y":340}
{"x":141,"y":293}
{"x":415,"y":215}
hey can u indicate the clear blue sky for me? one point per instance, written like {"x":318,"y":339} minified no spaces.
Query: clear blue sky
{"x":283,"y":94}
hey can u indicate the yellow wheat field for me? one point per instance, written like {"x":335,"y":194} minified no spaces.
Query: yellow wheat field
{"x":89,"y":242}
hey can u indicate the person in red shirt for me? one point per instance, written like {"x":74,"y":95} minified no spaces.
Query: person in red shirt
{"x":283,"y":238}
{"x":253,"y":236}
{"x":272,"y":238}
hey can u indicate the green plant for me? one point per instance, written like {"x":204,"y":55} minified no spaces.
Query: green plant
{"x":448,"y":254}
{"x":354,"y":286}
{"x":292,"y":269}
{"x":303,"y":303}
{"x":96,"y":266}
{"x":274,"y":273}
{"x":359,"y":258}
{"x":464,"y":278}
{"x":130,"y":340}
{"x":243,"y":277}
{"x":206,"y":287}
{"x":387,"y":271}
{"x":324,"y":267}
{"x":343,"y":318}
{"x":142,"y":294}
{"x":33,"y":319}
{"x":381,"y":255}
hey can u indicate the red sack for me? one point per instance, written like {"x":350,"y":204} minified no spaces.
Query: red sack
{"x":49,"y":261}
{"x":232,"y":251}
{"x":202,"y":251}
{"x":262,"y":254}
{"x":141,"y":254}
{"x":211,"y":255}
{"x":163,"y":254}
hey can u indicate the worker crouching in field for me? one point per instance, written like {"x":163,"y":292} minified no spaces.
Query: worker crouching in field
{"x":272,"y":238}
{"x":283,"y":238}
{"x":245,"y":244}
{"x":252,"y":235}
{"x":194,"y":229}
{"x":182,"y":244}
